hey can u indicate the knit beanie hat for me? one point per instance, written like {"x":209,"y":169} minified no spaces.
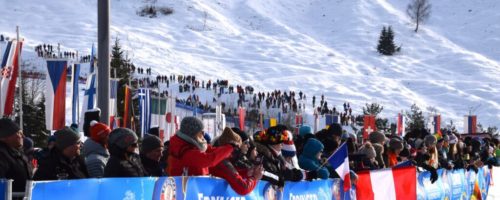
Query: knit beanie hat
{"x":335,"y":129}
{"x":99,"y":131}
{"x":66,"y":137}
{"x":273,"y":135}
{"x":242,"y":134}
{"x":150,"y":143}
{"x":395,"y":144}
{"x":27,"y":144}
{"x":122,"y":138}
{"x":453,"y":139}
{"x":429,"y":140}
{"x":191,"y":126}
{"x":376,"y":137}
{"x":368,"y":150}
{"x":154,"y":131}
{"x":304,"y":130}
{"x":288,"y":149}
{"x":8,"y":127}
{"x":379,"y":149}
{"x":228,"y":136}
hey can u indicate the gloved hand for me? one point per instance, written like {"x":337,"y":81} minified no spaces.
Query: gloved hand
{"x":472,"y":167}
{"x":434,"y":175}
{"x":310,"y":175}
{"x":281,"y":182}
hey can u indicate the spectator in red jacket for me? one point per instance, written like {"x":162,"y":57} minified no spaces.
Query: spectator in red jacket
{"x":189,"y":154}
{"x":240,"y":182}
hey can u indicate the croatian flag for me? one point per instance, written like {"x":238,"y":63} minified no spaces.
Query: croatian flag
{"x":400,"y":125}
{"x":55,"y":105}
{"x":172,"y":125}
{"x":8,"y":78}
{"x":369,"y":125}
{"x":387,"y":184}
{"x":339,"y":161}
{"x":144,"y":109}
{"x":470,"y":123}
{"x":75,"y":75}
{"x":89,"y":97}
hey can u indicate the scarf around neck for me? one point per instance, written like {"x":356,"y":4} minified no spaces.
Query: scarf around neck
{"x":202,"y":145}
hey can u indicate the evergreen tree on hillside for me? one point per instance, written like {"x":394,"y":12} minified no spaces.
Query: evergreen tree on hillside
{"x":415,"y":118}
{"x":120,"y":66}
{"x":386,"y":42}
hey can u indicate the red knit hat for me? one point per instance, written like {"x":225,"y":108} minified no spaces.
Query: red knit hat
{"x":99,"y":131}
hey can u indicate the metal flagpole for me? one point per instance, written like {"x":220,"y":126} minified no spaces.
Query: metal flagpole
{"x":103,"y":72}
{"x":20,"y":80}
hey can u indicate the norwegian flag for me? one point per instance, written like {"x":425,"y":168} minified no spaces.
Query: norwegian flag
{"x":400,"y":125}
{"x":369,"y":125}
{"x":9,"y":70}
{"x":389,"y":183}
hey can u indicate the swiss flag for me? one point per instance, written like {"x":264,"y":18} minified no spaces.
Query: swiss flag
{"x":369,"y":125}
{"x":397,"y":184}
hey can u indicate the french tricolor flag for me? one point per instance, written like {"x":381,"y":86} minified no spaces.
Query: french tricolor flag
{"x":55,"y":105}
{"x":387,"y":184}
{"x":339,"y":161}
{"x":470,"y":123}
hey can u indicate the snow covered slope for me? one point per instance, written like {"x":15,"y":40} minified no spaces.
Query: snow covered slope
{"x":317,"y":46}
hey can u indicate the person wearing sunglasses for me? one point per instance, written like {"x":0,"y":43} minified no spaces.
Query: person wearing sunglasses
{"x":123,"y":161}
{"x":64,"y":160}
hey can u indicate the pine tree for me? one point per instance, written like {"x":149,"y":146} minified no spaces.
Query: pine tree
{"x":120,"y":67}
{"x":386,"y":42}
{"x":415,"y":118}
{"x":33,"y":112}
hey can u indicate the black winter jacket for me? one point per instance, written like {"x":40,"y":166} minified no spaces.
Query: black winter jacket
{"x":57,"y":166}
{"x":123,"y":164}
{"x":14,"y":165}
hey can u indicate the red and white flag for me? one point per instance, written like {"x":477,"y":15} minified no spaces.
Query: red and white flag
{"x":241,"y":112}
{"x":55,"y":104}
{"x":400,"y":125}
{"x":8,"y":77}
{"x":369,"y":125}
{"x":387,"y":184}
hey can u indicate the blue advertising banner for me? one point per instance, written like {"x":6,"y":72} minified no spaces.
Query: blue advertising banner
{"x":3,"y":189}
{"x":206,"y":188}
{"x":321,"y":189}
{"x":169,"y":188}
{"x":433,"y":191}
{"x":458,"y":186}
{"x":105,"y":189}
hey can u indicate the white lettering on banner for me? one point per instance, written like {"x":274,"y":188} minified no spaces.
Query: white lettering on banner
{"x":201,"y":197}
{"x":303,"y":197}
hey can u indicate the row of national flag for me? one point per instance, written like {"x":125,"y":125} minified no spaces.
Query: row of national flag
{"x":153,"y":110}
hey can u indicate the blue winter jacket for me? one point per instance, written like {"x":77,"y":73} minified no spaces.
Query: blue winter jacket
{"x":308,"y":160}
